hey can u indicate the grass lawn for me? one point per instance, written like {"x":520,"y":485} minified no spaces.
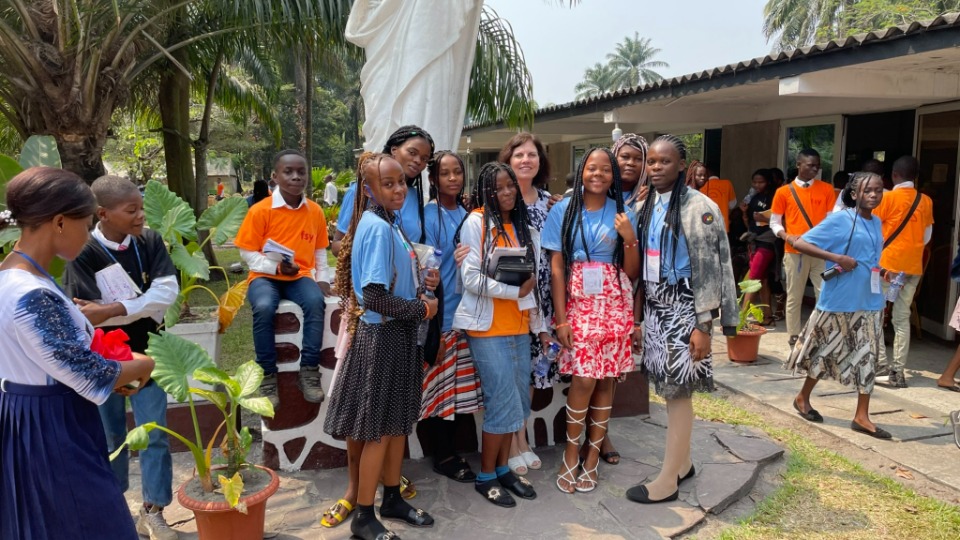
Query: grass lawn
{"x":827,"y":496}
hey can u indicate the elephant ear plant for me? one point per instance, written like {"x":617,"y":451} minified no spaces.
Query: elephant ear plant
{"x":749,"y":309}
{"x":176,"y":361}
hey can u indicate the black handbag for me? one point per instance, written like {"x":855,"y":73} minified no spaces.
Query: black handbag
{"x":514,"y":270}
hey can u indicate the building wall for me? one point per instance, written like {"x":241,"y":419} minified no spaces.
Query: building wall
{"x":560,"y":156}
{"x":746,"y":148}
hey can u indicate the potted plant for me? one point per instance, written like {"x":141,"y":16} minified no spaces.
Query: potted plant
{"x":233,"y":507}
{"x":186,"y":236}
{"x":746,"y":344}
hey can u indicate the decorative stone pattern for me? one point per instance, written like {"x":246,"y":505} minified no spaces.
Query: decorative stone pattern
{"x":294,"y":439}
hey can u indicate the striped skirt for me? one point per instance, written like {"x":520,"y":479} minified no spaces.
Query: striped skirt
{"x":840,"y":346}
{"x":452,"y":385}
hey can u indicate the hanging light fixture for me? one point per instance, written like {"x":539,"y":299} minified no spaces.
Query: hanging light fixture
{"x":617,"y":132}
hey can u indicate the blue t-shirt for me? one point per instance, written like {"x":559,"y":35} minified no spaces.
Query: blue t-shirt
{"x":409,"y":215}
{"x":441,"y":227}
{"x":660,"y":238}
{"x":381,"y":256}
{"x":598,"y":229}
{"x":850,"y":291}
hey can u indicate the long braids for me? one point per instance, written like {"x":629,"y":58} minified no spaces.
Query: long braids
{"x":343,"y":284}
{"x":573,"y":217}
{"x":397,"y":138}
{"x":672,"y":222}
{"x":433,"y":169}
{"x":640,"y":145}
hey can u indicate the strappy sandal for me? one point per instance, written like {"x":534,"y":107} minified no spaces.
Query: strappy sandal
{"x":336,"y":514}
{"x":585,"y":476}
{"x":569,"y":473}
{"x":407,"y":489}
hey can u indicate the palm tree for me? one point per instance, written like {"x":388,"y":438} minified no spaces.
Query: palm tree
{"x":633,"y":62}
{"x":798,"y":23}
{"x":598,"y":80}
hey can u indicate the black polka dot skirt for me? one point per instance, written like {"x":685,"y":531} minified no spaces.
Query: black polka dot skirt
{"x":378,"y":390}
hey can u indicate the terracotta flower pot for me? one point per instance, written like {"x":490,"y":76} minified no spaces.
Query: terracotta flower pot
{"x":216,"y":520}
{"x":746,"y":345}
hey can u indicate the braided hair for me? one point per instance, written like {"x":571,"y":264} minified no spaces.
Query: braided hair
{"x":573,"y":217}
{"x":397,"y":138}
{"x":672,"y":223}
{"x":343,"y":284}
{"x":434,"y":174}
{"x":640,"y":144}
{"x":858,"y":182}
{"x":692,"y":171}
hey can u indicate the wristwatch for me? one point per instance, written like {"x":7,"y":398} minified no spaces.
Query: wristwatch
{"x":705,"y":327}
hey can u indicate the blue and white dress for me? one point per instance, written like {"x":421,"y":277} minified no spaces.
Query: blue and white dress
{"x":55,"y":479}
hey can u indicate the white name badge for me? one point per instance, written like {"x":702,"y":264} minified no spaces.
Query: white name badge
{"x":651,"y":266}
{"x":115,"y":285}
{"x":875,"y":281}
{"x":592,"y":278}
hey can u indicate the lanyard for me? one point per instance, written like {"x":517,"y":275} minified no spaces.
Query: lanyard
{"x":143,"y":275}
{"x":596,"y":238}
{"x":449,"y":217}
{"x":40,"y":269}
{"x":659,"y":218}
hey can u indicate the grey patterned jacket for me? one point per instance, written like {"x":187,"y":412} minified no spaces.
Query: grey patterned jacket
{"x":713,"y":284}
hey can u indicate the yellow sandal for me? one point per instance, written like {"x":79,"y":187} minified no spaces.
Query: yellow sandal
{"x":336,"y":514}
{"x":407,"y":489}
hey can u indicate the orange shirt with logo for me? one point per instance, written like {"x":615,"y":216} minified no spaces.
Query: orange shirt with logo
{"x":721,"y":192}
{"x":508,"y":320}
{"x":905,"y":253}
{"x":817,"y":200}
{"x":304,"y":230}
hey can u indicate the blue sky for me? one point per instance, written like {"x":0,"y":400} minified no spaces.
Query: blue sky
{"x":693,"y":35}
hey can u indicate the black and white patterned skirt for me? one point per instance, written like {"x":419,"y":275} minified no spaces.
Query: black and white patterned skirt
{"x":378,"y":388}
{"x":840,"y":346}
{"x":669,"y":318}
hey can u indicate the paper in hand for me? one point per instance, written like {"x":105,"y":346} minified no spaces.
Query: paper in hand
{"x":277,"y":251}
{"x":115,"y":285}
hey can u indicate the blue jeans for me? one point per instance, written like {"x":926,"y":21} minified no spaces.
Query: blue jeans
{"x":504,"y":366}
{"x":264,"y":295}
{"x":156,"y":467}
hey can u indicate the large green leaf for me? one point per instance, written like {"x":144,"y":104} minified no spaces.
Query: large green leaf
{"x":166,"y":213}
{"x":8,"y":168}
{"x":40,"y":151}
{"x":172,"y":316}
{"x":137,"y":439}
{"x":176,"y":359}
{"x":8,"y":235}
{"x":257,"y":405}
{"x":217,"y":398}
{"x":223,"y":219}
{"x":215,"y":375}
{"x":193,"y":265}
{"x":249,"y":376}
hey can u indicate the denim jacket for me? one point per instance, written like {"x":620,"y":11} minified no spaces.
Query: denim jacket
{"x":713,"y":284}
{"x":475,"y":311}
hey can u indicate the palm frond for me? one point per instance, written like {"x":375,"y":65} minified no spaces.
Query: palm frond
{"x":501,"y":87}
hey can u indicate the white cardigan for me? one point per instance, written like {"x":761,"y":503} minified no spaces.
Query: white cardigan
{"x":475,"y":311}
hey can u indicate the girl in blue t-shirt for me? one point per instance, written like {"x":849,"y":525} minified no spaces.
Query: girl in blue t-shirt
{"x":592,"y":241}
{"x":843,"y":336}
{"x":451,"y":385}
{"x":376,"y":397}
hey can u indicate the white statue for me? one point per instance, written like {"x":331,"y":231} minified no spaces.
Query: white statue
{"x":419,"y":57}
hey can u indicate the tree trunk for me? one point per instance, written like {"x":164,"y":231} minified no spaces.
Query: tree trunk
{"x":174,"y":101}
{"x":82,"y":153}
{"x":308,"y":91}
{"x":200,"y":155}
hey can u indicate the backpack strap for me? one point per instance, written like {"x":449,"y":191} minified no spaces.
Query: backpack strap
{"x":903,"y":224}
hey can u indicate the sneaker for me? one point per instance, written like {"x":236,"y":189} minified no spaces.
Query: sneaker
{"x":268,"y":389}
{"x":151,"y":524}
{"x":793,"y":340}
{"x":898,"y":379}
{"x":309,"y":384}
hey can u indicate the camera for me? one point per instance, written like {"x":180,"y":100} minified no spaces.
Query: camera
{"x":831,"y":272}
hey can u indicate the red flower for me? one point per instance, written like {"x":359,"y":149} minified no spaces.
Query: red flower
{"x":111,"y":345}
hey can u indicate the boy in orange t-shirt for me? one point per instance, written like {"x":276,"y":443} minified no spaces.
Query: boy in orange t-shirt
{"x":788,"y":223}
{"x":722,"y":193}
{"x":903,"y":254}
{"x":292,"y":220}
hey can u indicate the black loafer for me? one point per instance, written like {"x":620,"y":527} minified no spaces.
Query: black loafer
{"x":640,"y":495}
{"x":880,"y":433}
{"x":811,"y":416}
{"x":495,"y":493}
{"x":690,"y":474}
{"x":521,"y":487}
{"x":414,"y":517}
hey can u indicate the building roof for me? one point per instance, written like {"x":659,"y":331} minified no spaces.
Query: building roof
{"x":917,"y":37}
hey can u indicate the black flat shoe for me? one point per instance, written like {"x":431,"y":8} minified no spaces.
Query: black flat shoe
{"x":690,"y":474}
{"x":520,"y":486}
{"x":455,"y":468}
{"x":640,"y":495}
{"x":811,"y":416}
{"x":495,"y":493}
{"x":880,"y":433}
{"x":414,"y":517}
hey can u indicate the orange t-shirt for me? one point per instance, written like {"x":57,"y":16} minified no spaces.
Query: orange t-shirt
{"x":303,"y":230}
{"x":721,"y":192}
{"x":508,"y":320}
{"x":818,"y":201}
{"x":905,"y":254}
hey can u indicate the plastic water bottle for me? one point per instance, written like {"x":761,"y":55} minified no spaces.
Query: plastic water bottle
{"x":894,"y":290}
{"x":548,"y":357}
{"x":749,"y":197}
{"x":432,"y":263}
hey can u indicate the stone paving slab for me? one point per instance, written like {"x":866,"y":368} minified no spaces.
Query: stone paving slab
{"x":461,"y":513}
{"x":720,"y":485}
{"x":750,"y":448}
